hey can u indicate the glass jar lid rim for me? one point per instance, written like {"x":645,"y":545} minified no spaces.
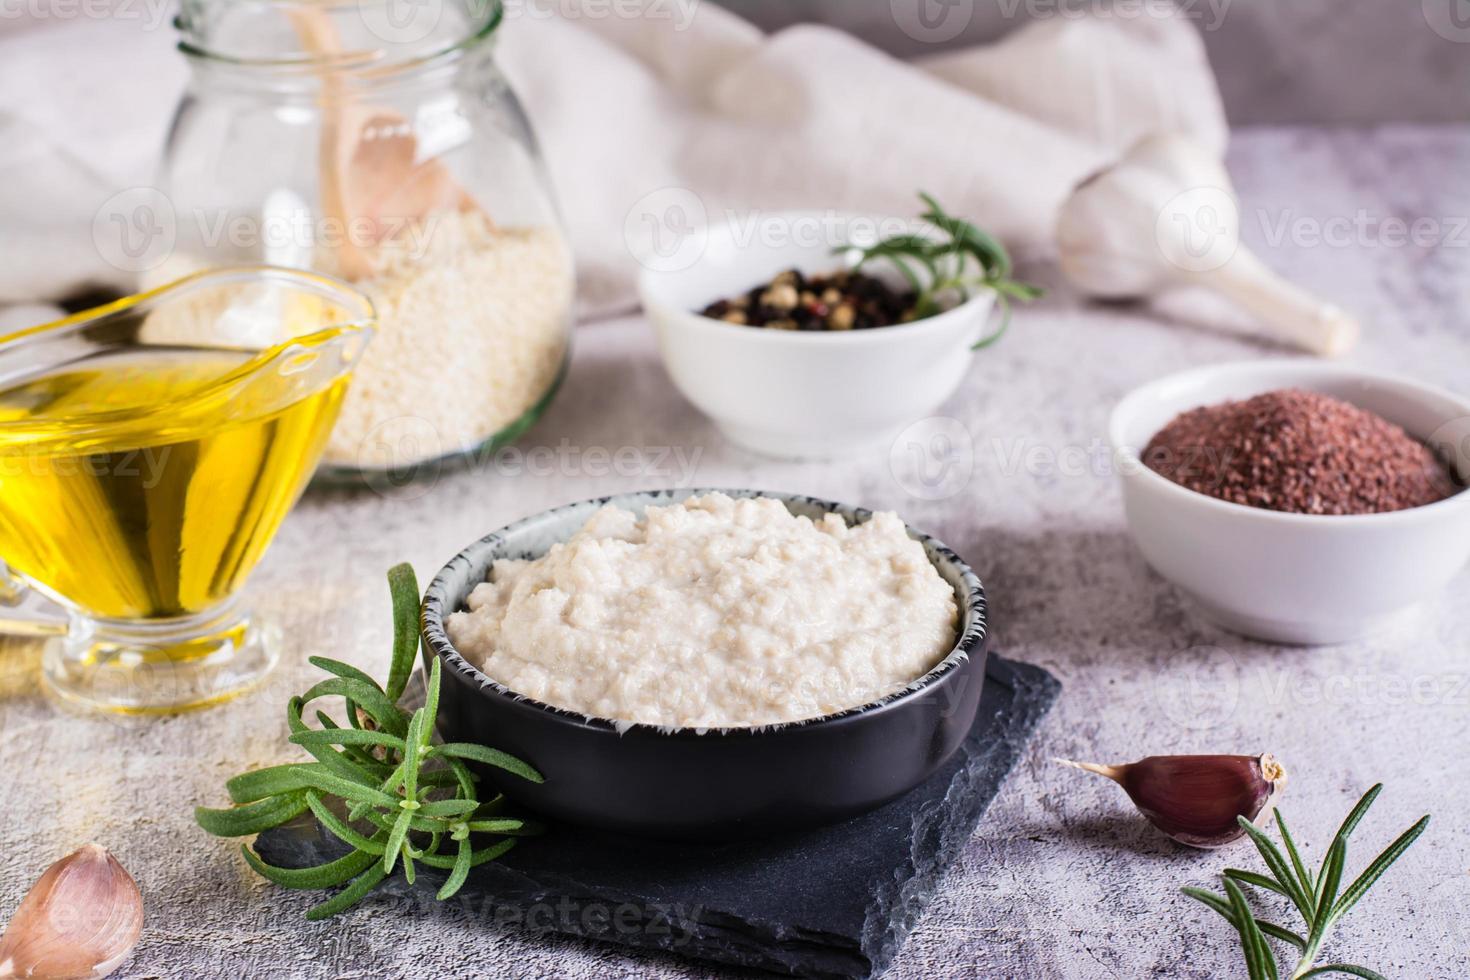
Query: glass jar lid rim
{"x":362,"y":62}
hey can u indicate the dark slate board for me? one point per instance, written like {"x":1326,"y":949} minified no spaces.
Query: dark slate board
{"x":836,"y":902}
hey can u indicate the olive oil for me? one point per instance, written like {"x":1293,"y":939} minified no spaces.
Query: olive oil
{"x":146,"y":484}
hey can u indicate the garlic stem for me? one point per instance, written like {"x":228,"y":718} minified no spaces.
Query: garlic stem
{"x":1292,"y":313}
{"x":1115,"y":773}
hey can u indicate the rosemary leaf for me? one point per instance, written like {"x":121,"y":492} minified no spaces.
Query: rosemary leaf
{"x":1358,"y":812}
{"x":1255,"y":964}
{"x":335,"y":763}
{"x":1277,"y":863}
{"x":347,"y":736}
{"x":347,"y":789}
{"x":1331,"y":881}
{"x":1365,"y":881}
{"x":1253,"y":932}
{"x":478,"y":858}
{"x":359,"y":768}
{"x":340,"y":669}
{"x":413,"y":749}
{"x":1305,"y":880}
{"x":341,"y":829}
{"x":404,"y":586}
{"x":368,"y":698}
{"x":490,"y":757}
{"x":1347,"y":968}
{"x":498,"y":826}
{"x":262,"y":783}
{"x":1285,"y":935}
{"x":355,"y":753}
{"x":462,"y":776}
{"x":396,"y":838}
{"x":460,"y":873}
{"x":1005,"y":325}
{"x":1214,"y":901}
{"x":322,"y":876}
{"x":1258,"y":880}
{"x":349,"y":896}
{"x":252,"y":818}
{"x":448,"y":808}
{"x":1224,"y":908}
{"x":426,"y":825}
{"x":431,"y":702}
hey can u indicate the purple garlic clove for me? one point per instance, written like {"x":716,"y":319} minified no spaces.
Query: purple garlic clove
{"x":1197,"y":799}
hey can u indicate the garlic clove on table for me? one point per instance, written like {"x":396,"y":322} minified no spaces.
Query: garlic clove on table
{"x":1199,"y":800}
{"x":1167,"y":216}
{"x":79,"y":921}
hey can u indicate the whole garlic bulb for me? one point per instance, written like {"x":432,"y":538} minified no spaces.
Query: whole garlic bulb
{"x":79,"y":921}
{"x":1167,"y":216}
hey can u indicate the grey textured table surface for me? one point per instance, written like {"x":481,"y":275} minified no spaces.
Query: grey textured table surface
{"x":1062,"y":879}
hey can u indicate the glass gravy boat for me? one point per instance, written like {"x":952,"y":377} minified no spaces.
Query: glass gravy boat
{"x":144,"y":470}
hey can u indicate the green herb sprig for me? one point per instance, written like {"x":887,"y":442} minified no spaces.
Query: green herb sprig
{"x":408,"y":801}
{"x":956,"y":260}
{"x":1316,"y":897}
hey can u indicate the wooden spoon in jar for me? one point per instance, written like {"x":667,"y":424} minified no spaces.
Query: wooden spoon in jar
{"x":368,"y":161}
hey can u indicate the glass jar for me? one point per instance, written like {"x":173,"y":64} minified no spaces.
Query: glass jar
{"x":377,"y":141}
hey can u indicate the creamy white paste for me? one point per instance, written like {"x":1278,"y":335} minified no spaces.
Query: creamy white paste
{"x":713,"y":613}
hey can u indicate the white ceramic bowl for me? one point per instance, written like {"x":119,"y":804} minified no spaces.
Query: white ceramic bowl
{"x":792,"y":394}
{"x":1295,"y":578}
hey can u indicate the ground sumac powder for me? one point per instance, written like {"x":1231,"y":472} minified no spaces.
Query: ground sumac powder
{"x":1301,"y":452}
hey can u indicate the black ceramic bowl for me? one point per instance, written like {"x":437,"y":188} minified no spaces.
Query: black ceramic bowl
{"x":704,"y":784}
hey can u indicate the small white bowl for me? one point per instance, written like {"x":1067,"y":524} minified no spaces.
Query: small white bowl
{"x":1295,"y":578}
{"x":793,"y":394}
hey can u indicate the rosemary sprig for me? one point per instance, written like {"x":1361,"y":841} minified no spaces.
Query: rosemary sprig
{"x":1316,"y":896}
{"x":408,"y":801}
{"x":953,"y":260}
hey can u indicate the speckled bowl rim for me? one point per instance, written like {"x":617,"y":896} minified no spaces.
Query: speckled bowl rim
{"x":972,"y":602}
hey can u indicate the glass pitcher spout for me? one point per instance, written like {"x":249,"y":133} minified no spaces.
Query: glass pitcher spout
{"x":149,"y":451}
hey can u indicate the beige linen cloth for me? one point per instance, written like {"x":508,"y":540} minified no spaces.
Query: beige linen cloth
{"x":686,"y":103}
